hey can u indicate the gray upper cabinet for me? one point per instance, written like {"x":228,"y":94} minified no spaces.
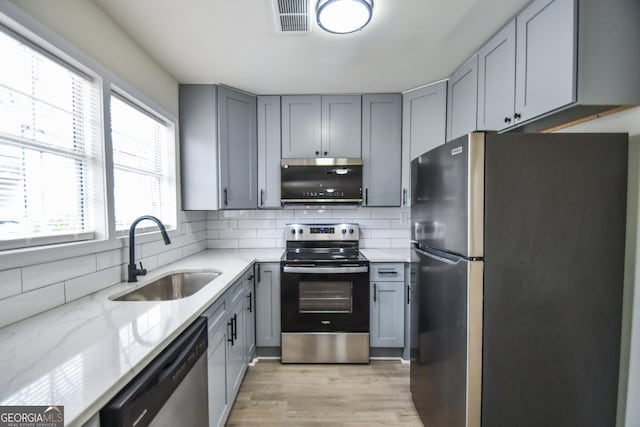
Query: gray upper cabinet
{"x":462,"y":99}
{"x":424,"y":112}
{"x":545,"y":58}
{"x":341,"y":126}
{"x":301,"y":126}
{"x":381,"y":149}
{"x":497,"y":80}
{"x":238,"y":149}
{"x":321,"y":126}
{"x":218,"y":148}
{"x":268,"y":151}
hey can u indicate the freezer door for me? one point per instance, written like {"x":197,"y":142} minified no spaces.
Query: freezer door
{"x":447,"y":196}
{"x":446,"y":341}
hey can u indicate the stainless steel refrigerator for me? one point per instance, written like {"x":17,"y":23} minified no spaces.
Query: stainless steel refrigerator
{"x":517,"y":278}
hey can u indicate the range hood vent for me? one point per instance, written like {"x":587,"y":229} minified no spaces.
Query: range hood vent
{"x":292,"y":16}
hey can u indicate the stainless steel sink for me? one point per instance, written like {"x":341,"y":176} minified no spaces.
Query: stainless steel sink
{"x":170,"y":287}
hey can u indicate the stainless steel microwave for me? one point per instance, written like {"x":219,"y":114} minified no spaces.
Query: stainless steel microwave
{"x":321,"y":181}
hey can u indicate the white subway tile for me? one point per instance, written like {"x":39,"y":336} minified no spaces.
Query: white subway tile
{"x":274,"y":214}
{"x":375,"y":223}
{"x":375,"y":243}
{"x":222,"y":243}
{"x":39,"y":275}
{"x":281,"y":223}
{"x":237,"y":214}
{"x":110,"y":258}
{"x":85,"y":285}
{"x":267,"y":233}
{"x":360,"y":213}
{"x":194,"y":248}
{"x":212,"y":215}
{"x":389,"y":213}
{"x":392,"y":233}
{"x":306,"y":214}
{"x":10,"y":282}
{"x":222,"y":224}
{"x":29,"y":303}
{"x":400,"y":243}
{"x":197,"y":216}
{"x":257,"y":243}
{"x":237,"y":234}
{"x":213,"y":234}
{"x":256,"y":223}
{"x":197,"y":226}
{"x":398,"y":223}
{"x":154,"y":248}
{"x":168,"y":257}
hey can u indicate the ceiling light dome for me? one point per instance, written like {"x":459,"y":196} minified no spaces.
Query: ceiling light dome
{"x":343,"y":16}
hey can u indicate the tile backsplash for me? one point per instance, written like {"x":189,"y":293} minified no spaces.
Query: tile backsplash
{"x":379,"y":227}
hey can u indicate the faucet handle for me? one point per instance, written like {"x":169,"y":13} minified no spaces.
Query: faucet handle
{"x":142,"y":269}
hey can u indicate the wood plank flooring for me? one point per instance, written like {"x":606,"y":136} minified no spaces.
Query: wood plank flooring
{"x":274,"y":394}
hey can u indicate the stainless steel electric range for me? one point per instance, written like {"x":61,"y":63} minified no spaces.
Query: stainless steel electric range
{"x":324,"y":295}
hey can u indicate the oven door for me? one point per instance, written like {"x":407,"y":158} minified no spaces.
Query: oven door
{"x":325,"y":298}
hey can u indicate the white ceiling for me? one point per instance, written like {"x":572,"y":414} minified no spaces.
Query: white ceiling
{"x":408,"y":43}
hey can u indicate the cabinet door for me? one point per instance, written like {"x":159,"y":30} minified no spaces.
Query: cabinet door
{"x":497,"y":80}
{"x":381,"y":149}
{"x":199,"y":147}
{"x":269,"y":152}
{"x":341,"y":126}
{"x":301,"y":130}
{"x":424,"y":118}
{"x":462,"y":99}
{"x":387,"y":314}
{"x":268,"y":305}
{"x":250,"y":319}
{"x":236,"y":350}
{"x":545,"y":57}
{"x":238,"y":149}
{"x":216,"y":372}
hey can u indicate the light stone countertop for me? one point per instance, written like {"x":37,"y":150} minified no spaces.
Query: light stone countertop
{"x":81,"y":354}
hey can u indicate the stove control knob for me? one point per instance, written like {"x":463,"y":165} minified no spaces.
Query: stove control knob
{"x":300,"y":231}
{"x":351,"y":231}
{"x":344,"y":230}
{"x":293,"y":231}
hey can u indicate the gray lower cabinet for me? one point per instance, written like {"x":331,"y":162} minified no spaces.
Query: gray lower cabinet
{"x":462,"y":99}
{"x":387,"y":305}
{"x":424,"y":112}
{"x":381,"y":149}
{"x":218,"y":148}
{"x":321,"y":126}
{"x":497,"y":80}
{"x":268,"y":305}
{"x":269,"y":142}
{"x":230,"y":326}
{"x":250,"y":317}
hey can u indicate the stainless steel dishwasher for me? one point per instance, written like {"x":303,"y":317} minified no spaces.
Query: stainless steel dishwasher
{"x":170,"y":391}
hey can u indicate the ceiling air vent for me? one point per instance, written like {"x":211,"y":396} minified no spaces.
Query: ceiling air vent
{"x":292,"y":16}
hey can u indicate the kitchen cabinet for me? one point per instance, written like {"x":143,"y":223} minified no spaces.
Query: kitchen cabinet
{"x":424,"y":112}
{"x":250,"y":317}
{"x":462,"y":99}
{"x":497,"y":80}
{"x":269,"y":152}
{"x":572,"y":59}
{"x":218,"y":146}
{"x":230,"y":334}
{"x":381,"y":149}
{"x":268,"y":305}
{"x":387,"y":312}
{"x":321,"y":126}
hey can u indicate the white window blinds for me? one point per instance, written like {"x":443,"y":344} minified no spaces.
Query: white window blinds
{"x":143,"y":165}
{"x":50,"y":142}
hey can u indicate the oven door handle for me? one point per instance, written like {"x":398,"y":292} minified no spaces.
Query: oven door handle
{"x":326,"y":270}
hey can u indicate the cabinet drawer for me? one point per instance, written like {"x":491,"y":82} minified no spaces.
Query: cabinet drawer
{"x":387,"y":272}
{"x":235,"y":293}
{"x":216,"y":315}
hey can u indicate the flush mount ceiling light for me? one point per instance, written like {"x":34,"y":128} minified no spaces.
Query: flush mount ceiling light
{"x":343,"y":16}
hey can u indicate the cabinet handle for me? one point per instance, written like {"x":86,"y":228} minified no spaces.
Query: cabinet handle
{"x":250,"y":303}
{"x":261,"y":197}
{"x":258,"y":273}
{"x":374,"y":293}
{"x":317,"y":153}
{"x":507,"y":119}
{"x":226,"y":201}
{"x":404,"y":197}
{"x":230,"y":334}
{"x":366,"y":196}
{"x":517,"y":116}
{"x":235,"y":327}
{"x":408,"y":294}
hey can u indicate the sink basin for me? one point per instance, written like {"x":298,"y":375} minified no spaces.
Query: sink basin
{"x":170,"y":287}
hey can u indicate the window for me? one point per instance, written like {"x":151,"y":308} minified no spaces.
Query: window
{"x":50,"y":147}
{"x":144,"y":166}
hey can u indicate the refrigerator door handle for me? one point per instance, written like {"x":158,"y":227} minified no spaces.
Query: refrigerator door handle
{"x":438,"y":257}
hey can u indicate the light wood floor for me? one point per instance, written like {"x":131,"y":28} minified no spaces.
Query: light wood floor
{"x":273,"y":394}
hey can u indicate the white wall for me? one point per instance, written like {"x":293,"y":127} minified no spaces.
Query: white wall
{"x":84,"y":25}
{"x":379,"y":227}
{"x":627,"y":121}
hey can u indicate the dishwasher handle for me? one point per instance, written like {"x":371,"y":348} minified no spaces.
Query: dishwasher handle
{"x":140,"y":400}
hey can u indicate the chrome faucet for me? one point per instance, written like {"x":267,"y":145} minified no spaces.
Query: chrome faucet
{"x":133,"y":271}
